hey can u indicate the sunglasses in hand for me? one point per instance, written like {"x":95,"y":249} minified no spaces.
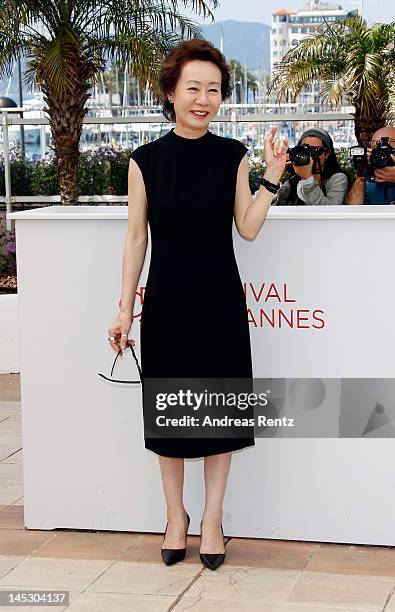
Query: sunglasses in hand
{"x":130,"y":382}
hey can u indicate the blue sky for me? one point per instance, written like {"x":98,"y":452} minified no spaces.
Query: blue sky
{"x":261,"y":10}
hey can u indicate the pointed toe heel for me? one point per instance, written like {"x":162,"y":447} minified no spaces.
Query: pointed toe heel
{"x":173,"y":555}
{"x":212,"y":560}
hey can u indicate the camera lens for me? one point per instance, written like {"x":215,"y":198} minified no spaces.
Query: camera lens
{"x":300,"y":155}
{"x":381,"y":154}
{"x":380,"y":158}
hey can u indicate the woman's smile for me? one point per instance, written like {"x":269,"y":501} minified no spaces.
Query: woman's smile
{"x":199,"y":114}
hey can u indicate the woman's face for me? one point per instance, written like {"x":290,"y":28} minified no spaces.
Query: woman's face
{"x":315,"y":141}
{"x":197,"y":96}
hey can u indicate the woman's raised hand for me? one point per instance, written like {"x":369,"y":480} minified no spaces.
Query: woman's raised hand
{"x":275,"y":155}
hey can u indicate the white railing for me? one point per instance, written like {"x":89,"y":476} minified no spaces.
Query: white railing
{"x":8,"y":118}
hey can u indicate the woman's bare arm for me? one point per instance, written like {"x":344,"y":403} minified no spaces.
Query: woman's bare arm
{"x":244,"y":203}
{"x":136,"y":237}
{"x":249,"y":214}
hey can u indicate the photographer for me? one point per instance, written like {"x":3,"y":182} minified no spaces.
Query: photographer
{"x":375,"y":169}
{"x":317,"y":179}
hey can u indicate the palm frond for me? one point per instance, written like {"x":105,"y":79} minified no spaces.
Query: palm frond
{"x":348,"y":58}
{"x":391,"y":110}
{"x":199,"y":7}
{"x":291,"y":78}
{"x":354,"y":27}
{"x":54,"y":62}
{"x":142,"y":55}
{"x":75,"y":25}
{"x":332,"y":90}
{"x":312,"y":59}
{"x":12,"y":42}
{"x":121,"y":18}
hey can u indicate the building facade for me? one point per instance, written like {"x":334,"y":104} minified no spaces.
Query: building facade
{"x":289,"y":28}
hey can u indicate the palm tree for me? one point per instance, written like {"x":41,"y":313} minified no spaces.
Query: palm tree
{"x":237,"y":73}
{"x":67,"y":43}
{"x":352,"y":62}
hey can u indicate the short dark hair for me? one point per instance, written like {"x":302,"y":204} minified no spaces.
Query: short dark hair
{"x":186,"y":51}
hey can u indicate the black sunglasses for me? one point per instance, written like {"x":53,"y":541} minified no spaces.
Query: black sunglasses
{"x":131,"y":382}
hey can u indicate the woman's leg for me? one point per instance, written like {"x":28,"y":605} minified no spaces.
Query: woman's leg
{"x":216,"y":470}
{"x":172,"y":471}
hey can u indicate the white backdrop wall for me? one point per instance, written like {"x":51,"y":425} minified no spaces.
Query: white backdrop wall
{"x":85,"y":465}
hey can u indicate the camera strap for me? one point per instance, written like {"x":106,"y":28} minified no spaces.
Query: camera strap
{"x":322,"y":184}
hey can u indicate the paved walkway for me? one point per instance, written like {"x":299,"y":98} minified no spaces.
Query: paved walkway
{"x":111,"y":571}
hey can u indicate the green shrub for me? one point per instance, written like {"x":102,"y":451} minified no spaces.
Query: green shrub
{"x":44,"y":180}
{"x":21,"y":173}
{"x":100,"y":172}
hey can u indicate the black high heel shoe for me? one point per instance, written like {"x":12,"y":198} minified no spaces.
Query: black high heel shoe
{"x":172,"y":555}
{"x":212,"y":560}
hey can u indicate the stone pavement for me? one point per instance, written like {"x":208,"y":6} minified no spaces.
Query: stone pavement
{"x":120,"y":571}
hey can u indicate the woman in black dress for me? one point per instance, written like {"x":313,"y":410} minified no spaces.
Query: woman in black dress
{"x":188,"y":186}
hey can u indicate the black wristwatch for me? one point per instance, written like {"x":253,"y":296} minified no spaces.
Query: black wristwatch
{"x":268,"y":185}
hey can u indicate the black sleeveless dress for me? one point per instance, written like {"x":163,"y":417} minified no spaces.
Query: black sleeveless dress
{"x":194,"y":317}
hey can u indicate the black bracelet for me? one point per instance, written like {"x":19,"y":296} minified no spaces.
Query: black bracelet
{"x":268,"y":185}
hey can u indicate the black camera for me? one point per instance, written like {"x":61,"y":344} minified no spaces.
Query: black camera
{"x":359,"y":160}
{"x":380,"y":157}
{"x":300,"y":155}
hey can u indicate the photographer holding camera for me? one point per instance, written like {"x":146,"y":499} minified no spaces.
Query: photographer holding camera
{"x":316,"y":177}
{"x":375,"y":170}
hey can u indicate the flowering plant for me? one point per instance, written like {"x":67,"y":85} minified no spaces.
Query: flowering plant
{"x":7,"y":249}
